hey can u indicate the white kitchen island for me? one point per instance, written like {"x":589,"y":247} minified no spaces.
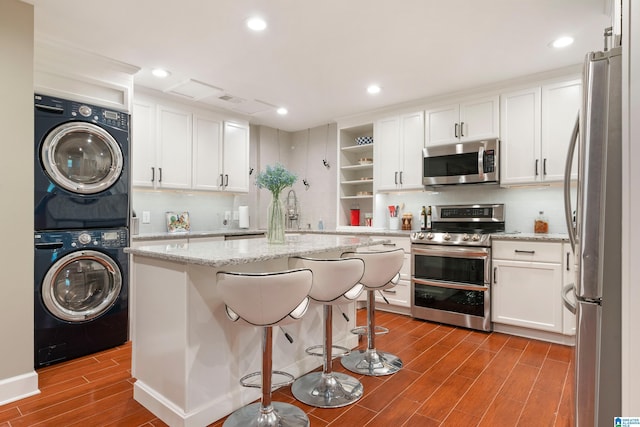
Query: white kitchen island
{"x":187,"y":356}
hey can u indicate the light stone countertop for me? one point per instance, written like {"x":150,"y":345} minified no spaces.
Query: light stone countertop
{"x":535,"y":237}
{"x":244,"y":251}
{"x":196,"y":234}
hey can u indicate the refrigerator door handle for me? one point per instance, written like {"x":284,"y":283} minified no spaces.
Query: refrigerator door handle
{"x":567,"y":184}
{"x":565,"y":299}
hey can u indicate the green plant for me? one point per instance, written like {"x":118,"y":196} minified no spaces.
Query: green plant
{"x":275,"y":179}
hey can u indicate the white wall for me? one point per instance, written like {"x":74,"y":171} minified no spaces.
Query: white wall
{"x":631,"y":206}
{"x":17,"y":377}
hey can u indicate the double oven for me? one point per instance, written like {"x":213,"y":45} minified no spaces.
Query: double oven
{"x":451,"y":265}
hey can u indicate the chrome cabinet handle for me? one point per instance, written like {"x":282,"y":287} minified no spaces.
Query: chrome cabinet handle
{"x":461,"y":129}
{"x":568,"y":254}
{"x":395,"y":179}
{"x":153,"y":174}
{"x":544,"y":166}
{"x":389,"y":291}
{"x":518,"y":251}
{"x":537,"y":161}
{"x":221,"y":180}
{"x":160,"y":170}
{"x":400,"y":177}
{"x":226,"y":180}
{"x":389,"y":244}
{"x":495,"y":275}
{"x":455,"y":130}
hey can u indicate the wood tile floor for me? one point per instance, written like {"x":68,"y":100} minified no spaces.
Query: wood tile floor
{"x":451,"y":377}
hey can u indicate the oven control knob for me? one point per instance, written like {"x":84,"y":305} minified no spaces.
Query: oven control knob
{"x":465,"y":237}
{"x":446,"y":237}
{"x":429,"y":236}
{"x":420,"y":236}
{"x":84,"y":110}
{"x":84,"y":238}
{"x":475,"y":237}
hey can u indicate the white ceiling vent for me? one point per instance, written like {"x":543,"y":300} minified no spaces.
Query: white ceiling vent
{"x":241,"y":105}
{"x":193,"y":90}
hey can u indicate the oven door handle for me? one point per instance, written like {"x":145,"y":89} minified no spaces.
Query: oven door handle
{"x":450,"y":285}
{"x":451,"y":251}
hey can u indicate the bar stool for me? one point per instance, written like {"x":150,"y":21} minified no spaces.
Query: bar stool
{"x":335,"y":281}
{"x":266,"y":300}
{"x":381,"y":271}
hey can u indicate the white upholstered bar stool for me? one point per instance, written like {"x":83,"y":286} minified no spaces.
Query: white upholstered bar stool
{"x":335,"y":281}
{"x":381,"y":271}
{"x":266,"y":300}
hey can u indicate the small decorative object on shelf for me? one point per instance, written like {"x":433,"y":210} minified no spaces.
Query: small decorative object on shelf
{"x":275,"y":179}
{"x":363,"y":140}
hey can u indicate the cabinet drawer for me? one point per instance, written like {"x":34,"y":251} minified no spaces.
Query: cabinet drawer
{"x":399,"y":295}
{"x":527,"y":251}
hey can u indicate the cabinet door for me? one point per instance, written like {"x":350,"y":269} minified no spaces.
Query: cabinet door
{"x":440,"y":125}
{"x":144,"y":170}
{"x":387,"y":153}
{"x":519,"y":136}
{"x":236,"y":157}
{"x":527,"y":294}
{"x":207,"y":150}
{"x":479,"y":119}
{"x":412,"y":136}
{"x":174,"y":138}
{"x":569,"y":270}
{"x":560,"y":106}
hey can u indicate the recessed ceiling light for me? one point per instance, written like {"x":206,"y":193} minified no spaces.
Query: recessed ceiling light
{"x":282,"y":111}
{"x":562,"y":42}
{"x":160,"y":73}
{"x":373,"y":89}
{"x":257,"y":24}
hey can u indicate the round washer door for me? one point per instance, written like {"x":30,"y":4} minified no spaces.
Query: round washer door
{"x":82,"y":157}
{"x":81,"y":286}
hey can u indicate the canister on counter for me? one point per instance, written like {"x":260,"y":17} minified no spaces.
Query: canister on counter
{"x":407,"y":218}
{"x":541,"y":224}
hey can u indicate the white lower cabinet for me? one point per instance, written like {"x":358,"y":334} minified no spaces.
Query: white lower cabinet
{"x":399,"y":297}
{"x":528,"y":278}
{"x":568,"y":317}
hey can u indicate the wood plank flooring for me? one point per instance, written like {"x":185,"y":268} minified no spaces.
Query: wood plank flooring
{"x":451,"y":376}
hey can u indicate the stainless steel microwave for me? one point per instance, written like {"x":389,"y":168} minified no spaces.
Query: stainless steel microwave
{"x":463,"y":163}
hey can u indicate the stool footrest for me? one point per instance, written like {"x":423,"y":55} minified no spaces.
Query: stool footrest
{"x":363,"y":330}
{"x":344,"y":351}
{"x":274,"y":385}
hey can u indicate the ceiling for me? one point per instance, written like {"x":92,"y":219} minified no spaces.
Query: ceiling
{"x":316,"y":58}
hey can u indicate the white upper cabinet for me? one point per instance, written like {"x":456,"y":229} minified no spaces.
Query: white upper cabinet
{"x":399,"y":141}
{"x":176,"y":148}
{"x":560,"y":105}
{"x":207,"y":146}
{"x":143,"y":145}
{"x":235,"y":168}
{"x":536,"y":127}
{"x":468,"y":121}
{"x":174,"y":143}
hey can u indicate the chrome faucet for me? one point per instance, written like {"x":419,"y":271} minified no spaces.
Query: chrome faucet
{"x":292,"y":209}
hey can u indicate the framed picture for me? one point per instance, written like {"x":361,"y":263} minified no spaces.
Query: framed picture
{"x":178,"y":222}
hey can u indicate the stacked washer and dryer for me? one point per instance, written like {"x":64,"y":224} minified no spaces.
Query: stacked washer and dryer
{"x":81,"y":180}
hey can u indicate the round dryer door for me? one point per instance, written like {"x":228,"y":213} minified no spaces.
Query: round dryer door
{"x":82,"y":157}
{"x":81,"y":286}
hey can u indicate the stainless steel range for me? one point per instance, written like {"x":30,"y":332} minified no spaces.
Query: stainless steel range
{"x":451,"y":265}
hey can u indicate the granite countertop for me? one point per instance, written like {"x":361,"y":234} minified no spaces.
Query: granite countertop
{"x":244,"y":251}
{"x":196,"y":234}
{"x":551,"y":237}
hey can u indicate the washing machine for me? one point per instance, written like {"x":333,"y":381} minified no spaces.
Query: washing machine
{"x":81,"y":299}
{"x":81,"y":165}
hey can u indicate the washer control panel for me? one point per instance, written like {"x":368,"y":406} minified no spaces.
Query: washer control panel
{"x":116,"y":238}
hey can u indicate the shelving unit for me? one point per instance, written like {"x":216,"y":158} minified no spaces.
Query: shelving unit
{"x":356,"y":175}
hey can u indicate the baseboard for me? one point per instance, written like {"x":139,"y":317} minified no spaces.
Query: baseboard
{"x":18,"y":387}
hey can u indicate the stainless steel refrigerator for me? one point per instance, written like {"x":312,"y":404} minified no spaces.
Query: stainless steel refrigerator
{"x":596,"y":238}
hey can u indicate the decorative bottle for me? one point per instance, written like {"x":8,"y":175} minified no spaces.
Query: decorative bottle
{"x":428,"y":221}
{"x":423,"y":218}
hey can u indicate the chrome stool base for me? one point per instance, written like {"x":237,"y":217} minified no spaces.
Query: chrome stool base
{"x":372,"y":362}
{"x":332,"y":390}
{"x":278,"y":415}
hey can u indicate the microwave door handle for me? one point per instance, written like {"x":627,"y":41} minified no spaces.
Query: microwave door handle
{"x":481,"y":162}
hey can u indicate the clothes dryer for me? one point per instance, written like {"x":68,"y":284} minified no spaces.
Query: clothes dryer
{"x":81,"y":293}
{"x":81,"y":169}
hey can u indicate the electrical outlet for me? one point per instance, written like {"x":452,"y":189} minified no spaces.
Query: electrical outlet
{"x":146,"y":217}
